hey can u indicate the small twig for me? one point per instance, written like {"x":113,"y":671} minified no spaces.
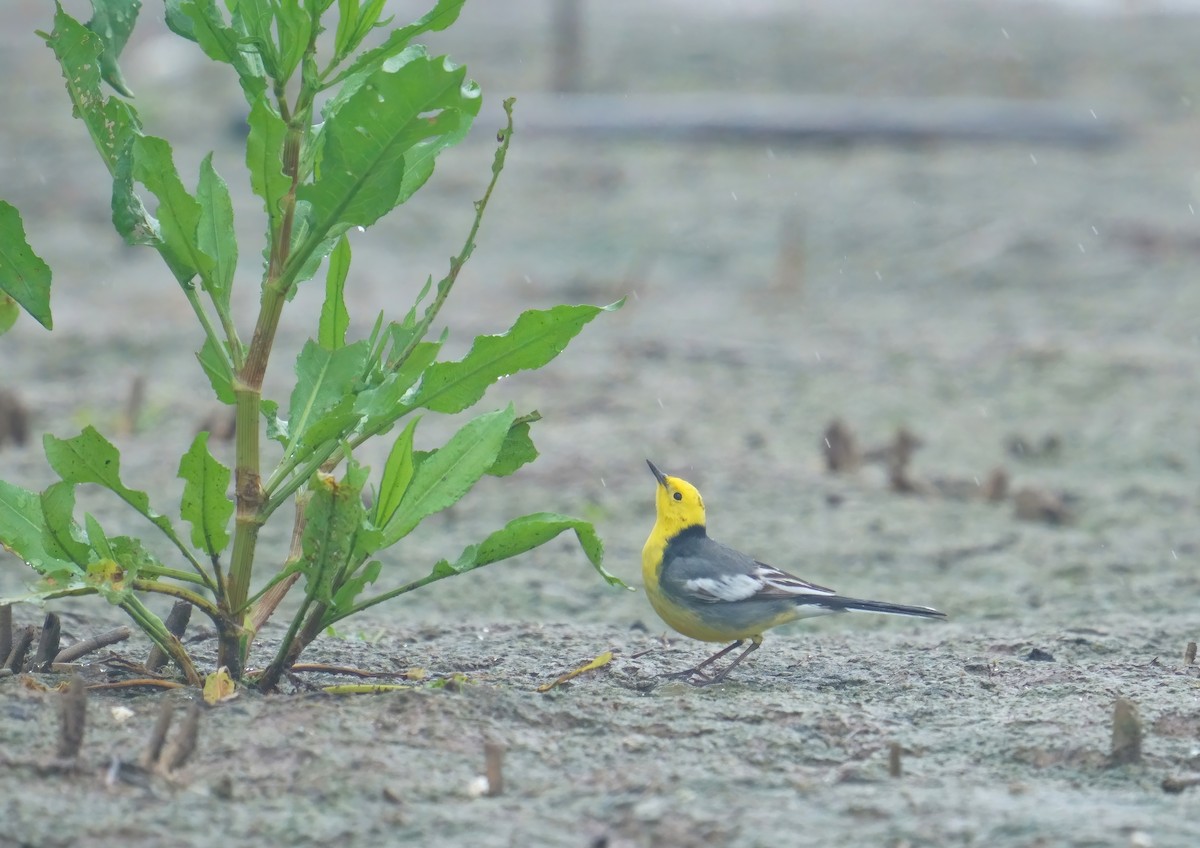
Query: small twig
{"x":176,"y":623}
{"x":158,"y":735}
{"x":80,"y":649}
{"x":1175,"y":785}
{"x":895,"y":767}
{"x":6,"y":631}
{"x":184,"y":743}
{"x":47,"y":648}
{"x":136,"y":399}
{"x":72,"y":714}
{"x":1126,"y":734}
{"x":493,"y":758}
{"x":16,"y":657}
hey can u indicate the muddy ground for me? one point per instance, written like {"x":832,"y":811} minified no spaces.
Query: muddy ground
{"x":970,"y":293}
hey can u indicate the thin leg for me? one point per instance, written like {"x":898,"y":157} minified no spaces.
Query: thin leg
{"x":699,"y":669}
{"x":705,"y":680}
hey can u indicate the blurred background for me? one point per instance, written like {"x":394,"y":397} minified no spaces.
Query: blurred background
{"x":975,"y":220}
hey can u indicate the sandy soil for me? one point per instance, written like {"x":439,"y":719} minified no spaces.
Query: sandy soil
{"x":968,"y":293}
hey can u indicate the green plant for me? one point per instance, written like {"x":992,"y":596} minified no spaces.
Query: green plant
{"x":388,"y":112}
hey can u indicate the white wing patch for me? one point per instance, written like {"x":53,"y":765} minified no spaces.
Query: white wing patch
{"x":763,"y":582}
{"x":776,"y":582}
{"x":729,"y":587}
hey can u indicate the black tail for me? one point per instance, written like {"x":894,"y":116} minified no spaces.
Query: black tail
{"x":836,"y":602}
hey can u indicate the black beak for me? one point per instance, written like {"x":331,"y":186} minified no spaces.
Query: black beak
{"x":658,"y":475}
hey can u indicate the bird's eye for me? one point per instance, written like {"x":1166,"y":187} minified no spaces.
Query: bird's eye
{"x":678,"y":496}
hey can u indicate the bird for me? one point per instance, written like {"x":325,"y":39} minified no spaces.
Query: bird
{"x":711,"y":592}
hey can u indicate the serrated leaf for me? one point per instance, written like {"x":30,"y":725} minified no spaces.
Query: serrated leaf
{"x":387,"y":402}
{"x":61,"y":535}
{"x":344,"y":597}
{"x":205,"y":505}
{"x":113,"y":22}
{"x":405,"y":109}
{"x":324,"y":379}
{"x":524,"y":534}
{"x":23,"y":275}
{"x":109,"y":121}
{"x":202,"y":22}
{"x":517,"y":450}
{"x":331,"y":332}
{"x":178,"y":212}
{"x":90,"y":458}
{"x":535,"y":339}
{"x":264,"y":156}
{"x":449,"y":472}
{"x":254,"y":18}
{"x":215,"y":234}
{"x":397,"y":474}
{"x":437,"y":19}
{"x":294,"y":26}
{"x":333,"y":518}
{"x":217,"y":370}
{"x":333,"y":424}
{"x":21,"y":526}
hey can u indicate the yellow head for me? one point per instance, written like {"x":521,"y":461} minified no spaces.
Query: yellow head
{"x":678,"y":503}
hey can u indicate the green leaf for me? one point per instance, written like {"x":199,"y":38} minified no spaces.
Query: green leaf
{"x":21,"y":526}
{"x":215,"y":235}
{"x":333,"y":518}
{"x":324,"y":378}
{"x":264,"y":156}
{"x":406,"y":112}
{"x":9,"y":313}
{"x":524,"y":534}
{"x":334,"y":424}
{"x":331,"y":333}
{"x":24,"y":277}
{"x":97,"y":538}
{"x":202,"y":22}
{"x":437,"y":19}
{"x":113,"y":21}
{"x":350,"y":589}
{"x":387,"y":402}
{"x":277,"y":428}
{"x":61,"y":535}
{"x":254,"y":18}
{"x":132,"y":556}
{"x":178,"y":212}
{"x":294,"y":26}
{"x":449,"y":472}
{"x":109,"y":121}
{"x":517,"y":449}
{"x":90,"y":458}
{"x":216,"y":367}
{"x":537,"y":337}
{"x":129,"y":215}
{"x":347,"y":28}
{"x":205,"y":505}
{"x":397,"y":474}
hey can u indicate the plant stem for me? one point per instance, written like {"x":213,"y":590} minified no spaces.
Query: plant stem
{"x":386,"y":596}
{"x":297,"y":639}
{"x":207,"y":607}
{"x":271,"y":597}
{"x":248,"y":393}
{"x":153,"y":627}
